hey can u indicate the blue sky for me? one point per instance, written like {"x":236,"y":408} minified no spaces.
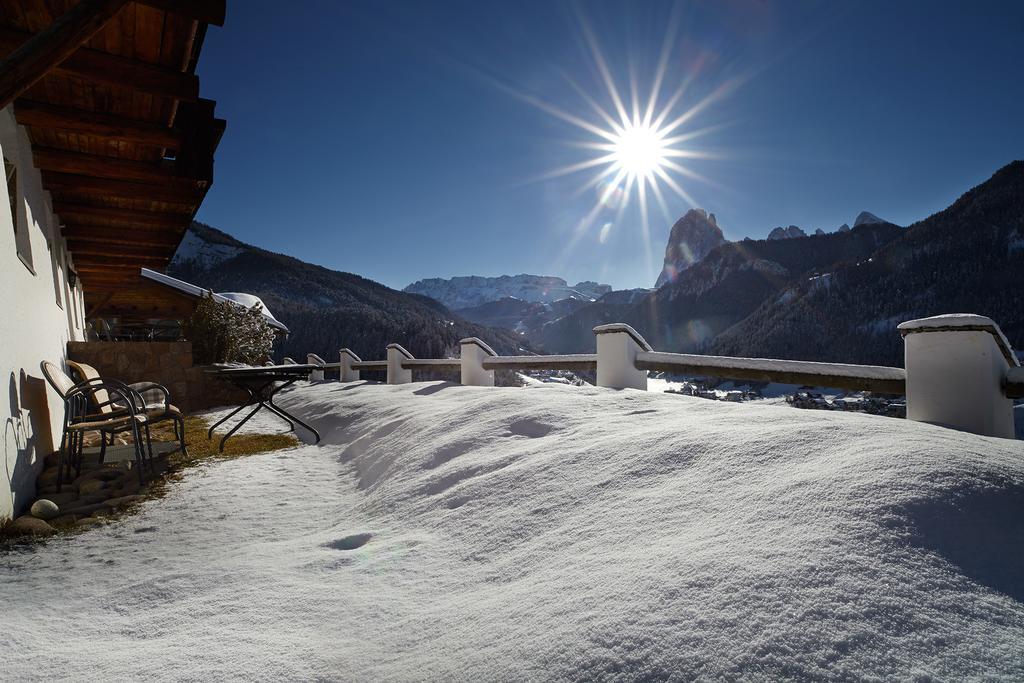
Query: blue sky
{"x":403,"y":140}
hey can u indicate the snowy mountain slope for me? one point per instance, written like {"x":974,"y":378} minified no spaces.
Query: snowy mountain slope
{"x":473,"y":290}
{"x":442,"y":532}
{"x":722,"y":289}
{"x":324,"y":309}
{"x":960,"y":259}
{"x":867,"y":218}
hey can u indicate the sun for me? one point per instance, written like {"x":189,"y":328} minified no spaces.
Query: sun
{"x":639,"y":150}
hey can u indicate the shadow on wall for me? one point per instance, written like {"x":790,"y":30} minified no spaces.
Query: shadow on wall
{"x":26,"y":437}
{"x":980,"y":530}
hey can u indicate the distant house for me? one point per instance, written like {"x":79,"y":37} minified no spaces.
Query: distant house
{"x":107,"y":153}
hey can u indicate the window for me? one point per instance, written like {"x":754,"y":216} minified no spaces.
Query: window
{"x":21,"y":236}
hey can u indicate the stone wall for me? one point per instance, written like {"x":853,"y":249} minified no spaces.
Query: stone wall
{"x":166,"y":363}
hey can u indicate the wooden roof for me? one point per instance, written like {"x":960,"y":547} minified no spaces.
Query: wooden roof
{"x":108,"y":93}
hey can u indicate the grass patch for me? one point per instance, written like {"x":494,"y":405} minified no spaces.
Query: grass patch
{"x":202,"y":448}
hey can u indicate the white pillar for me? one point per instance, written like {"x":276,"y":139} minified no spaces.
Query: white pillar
{"x":955,"y":370}
{"x":473,"y":353}
{"x":617,"y":346}
{"x":348,"y":373}
{"x":316,"y":375}
{"x":396,"y":373}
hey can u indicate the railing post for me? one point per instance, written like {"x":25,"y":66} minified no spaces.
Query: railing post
{"x":955,"y":369}
{"x":316,"y":375}
{"x":288,"y":361}
{"x":473,"y":353}
{"x":396,"y":373}
{"x":617,"y":347}
{"x":348,"y":373}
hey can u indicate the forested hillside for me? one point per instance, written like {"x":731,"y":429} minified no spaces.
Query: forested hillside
{"x":326,"y":309}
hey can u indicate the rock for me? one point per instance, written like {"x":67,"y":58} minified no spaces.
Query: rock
{"x":29,"y":526}
{"x":63,"y":521}
{"x":85,"y":510}
{"x":690,"y":240}
{"x":91,"y":486}
{"x":104,"y":473}
{"x":124,"y":501}
{"x":61,"y":499}
{"x":90,"y":499}
{"x":44,"y":509}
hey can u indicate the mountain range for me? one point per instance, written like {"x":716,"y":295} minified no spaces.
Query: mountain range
{"x":834,"y":296}
{"x":326,"y":309}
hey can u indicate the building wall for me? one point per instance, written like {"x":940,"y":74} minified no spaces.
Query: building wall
{"x":165,"y":363}
{"x":39,"y":314}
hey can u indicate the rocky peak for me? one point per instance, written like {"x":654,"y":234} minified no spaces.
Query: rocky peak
{"x":692,"y":237}
{"x":789,"y":233}
{"x":845,"y":227}
{"x":867,"y":218}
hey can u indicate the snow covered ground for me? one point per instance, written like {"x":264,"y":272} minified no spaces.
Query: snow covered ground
{"x":548,"y":532}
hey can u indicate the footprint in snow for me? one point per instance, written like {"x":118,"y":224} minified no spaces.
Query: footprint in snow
{"x":530,"y":428}
{"x":349,"y":542}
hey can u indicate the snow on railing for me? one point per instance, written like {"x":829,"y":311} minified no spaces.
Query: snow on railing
{"x":960,"y":369}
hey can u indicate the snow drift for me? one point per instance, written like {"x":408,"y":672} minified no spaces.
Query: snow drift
{"x":549,"y":532}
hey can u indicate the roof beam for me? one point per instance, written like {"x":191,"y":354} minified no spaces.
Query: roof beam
{"x":108,"y":235}
{"x":109,"y":126}
{"x":60,"y":183}
{"x":110,"y":69}
{"x":24,"y":67}
{"x":99,"y":166}
{"x":87,"y":249}
{"x":204,"y":11}
{"x":73,"y":214}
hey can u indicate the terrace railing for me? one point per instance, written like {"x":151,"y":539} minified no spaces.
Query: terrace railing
{"x":960,"y":369}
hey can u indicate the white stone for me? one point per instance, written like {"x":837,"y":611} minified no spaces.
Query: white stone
{"x":45,"y":509}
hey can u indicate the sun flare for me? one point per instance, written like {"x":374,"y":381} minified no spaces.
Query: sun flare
{"x":639,"y":150}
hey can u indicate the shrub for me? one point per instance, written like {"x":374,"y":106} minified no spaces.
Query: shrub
{"x":223,"y":332}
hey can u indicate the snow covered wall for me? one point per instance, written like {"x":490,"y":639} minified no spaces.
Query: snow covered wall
{"x":549,"y":532}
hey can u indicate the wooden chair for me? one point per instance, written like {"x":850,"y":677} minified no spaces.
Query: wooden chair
{"x":78,"y":419}
{"x":152,"y":400}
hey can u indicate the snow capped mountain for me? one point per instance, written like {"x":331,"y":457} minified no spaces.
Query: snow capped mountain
{"x":692,"y":237}
{"x":845,"y":227}
{"x":867,"y":218}
{"x":473,"y":290}
{"x":203,"y":254}
{"x":789,"y":233}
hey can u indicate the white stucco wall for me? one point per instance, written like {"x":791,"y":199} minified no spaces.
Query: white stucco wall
{"x":33,"y":326}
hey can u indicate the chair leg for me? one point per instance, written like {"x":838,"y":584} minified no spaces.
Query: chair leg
{"x":103,"y":446}
{"x":149,"y":447}
{"x":60,"y":459}
{"x":139,"y":456}
{"x":179,"y":430}
{"x":79,"y":455}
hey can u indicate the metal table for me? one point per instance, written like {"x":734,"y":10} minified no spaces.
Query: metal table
{"x":261,"y":383}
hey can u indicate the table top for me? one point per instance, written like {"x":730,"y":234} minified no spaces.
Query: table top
{"x":288,"y":369}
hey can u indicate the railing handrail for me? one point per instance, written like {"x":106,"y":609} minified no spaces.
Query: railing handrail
{"x":875,"y":378}
{"x":570,"y":361}
{"x":950,"y":378}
